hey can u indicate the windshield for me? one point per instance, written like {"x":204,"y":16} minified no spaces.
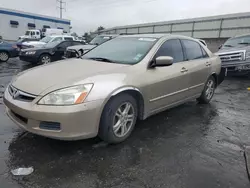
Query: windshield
{"x":27,"y":33}
{"x":46,"y":39}
{"x":100,"y":39}
{"x":51,"y":44}
{"x":237,"y":41}
{"x":126,"y":50}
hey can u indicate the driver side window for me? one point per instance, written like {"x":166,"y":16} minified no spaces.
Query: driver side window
{"x":173,"y":49}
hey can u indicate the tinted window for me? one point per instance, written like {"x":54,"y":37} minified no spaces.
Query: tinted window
{"x":37,"y":33}
{"x":64,"y":45}
{"x":68,"y":38}
{"x":193,"y":49}
{"x":171,"y":48}
{"x":76,"y":43}
{"x":33,"y":33}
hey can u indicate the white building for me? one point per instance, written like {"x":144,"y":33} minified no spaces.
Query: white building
{"x":14,"y":23}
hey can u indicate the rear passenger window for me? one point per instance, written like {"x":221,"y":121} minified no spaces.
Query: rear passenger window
{"x":68,"y":38}
{"x":57,"y":39}
{"x":193,"y":49}
{"x":173,"y":49}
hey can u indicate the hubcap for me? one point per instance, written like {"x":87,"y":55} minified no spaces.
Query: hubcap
{"x":210,"y":89}
{"x":123,"y":119}
{"x":45,"y":59}
{"x":3,"y":56}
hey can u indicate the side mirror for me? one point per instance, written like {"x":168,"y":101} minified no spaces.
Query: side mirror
{"x":220,"y":46}
{"x":163,"y":61}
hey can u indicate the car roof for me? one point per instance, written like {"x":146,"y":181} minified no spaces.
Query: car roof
{"x":158,"y":36}
{"x":53,"y":36}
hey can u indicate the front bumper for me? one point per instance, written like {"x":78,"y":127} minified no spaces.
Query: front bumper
{"x":32,"y":59}
{"x":74,"y":122}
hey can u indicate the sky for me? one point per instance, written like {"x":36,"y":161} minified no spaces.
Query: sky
{"x":87,"y":15}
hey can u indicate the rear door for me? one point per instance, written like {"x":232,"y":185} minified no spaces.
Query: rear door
{"x":199,"y":65}
{"x":168,"y":85}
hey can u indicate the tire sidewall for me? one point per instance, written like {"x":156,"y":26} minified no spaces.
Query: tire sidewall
{"x":106,"y":131}
{"x":7,"y":58}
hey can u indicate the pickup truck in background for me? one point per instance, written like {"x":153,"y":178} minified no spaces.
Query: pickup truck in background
{"x":235,"y":55}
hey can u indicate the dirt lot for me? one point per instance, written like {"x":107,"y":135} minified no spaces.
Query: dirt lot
{"x":193,"y":146}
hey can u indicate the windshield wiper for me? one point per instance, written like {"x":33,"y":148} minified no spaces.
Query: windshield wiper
{"x":228,"y":45}
{"x":101,"y":59}
{"x":247,"y":43}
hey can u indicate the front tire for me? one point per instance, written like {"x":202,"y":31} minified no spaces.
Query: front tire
{"x":208,"y":91}
{"x":4,"y":56}
{"x":118,"y":119}
{"x":45,"y":59}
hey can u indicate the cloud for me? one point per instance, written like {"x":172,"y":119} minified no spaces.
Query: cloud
{"x":87,"y":15}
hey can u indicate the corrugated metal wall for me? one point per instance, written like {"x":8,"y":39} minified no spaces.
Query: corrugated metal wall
{"x":223,"y":26}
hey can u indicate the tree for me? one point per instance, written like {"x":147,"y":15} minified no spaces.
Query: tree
{"x":87,"y":37}
{"x":100,"y":28}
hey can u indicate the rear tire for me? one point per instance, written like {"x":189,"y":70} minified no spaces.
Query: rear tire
{"x":208,"y":91}
{"x":45,"y":59}
{"x":118,"y":119}
{"x":4,"y":56}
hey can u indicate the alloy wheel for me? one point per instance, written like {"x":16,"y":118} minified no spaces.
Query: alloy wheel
{"x":4,"y":56}
{"x":45,"y":60}
{"x":210,"y":89}
{"x":123,"y":119}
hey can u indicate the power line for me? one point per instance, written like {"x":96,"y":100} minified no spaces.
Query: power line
{"x":61,"y":3}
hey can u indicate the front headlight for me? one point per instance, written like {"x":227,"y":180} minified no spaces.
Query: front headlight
{"x":67,"y":96}
{"x":30,"y":53}
{"x":248,"y":55}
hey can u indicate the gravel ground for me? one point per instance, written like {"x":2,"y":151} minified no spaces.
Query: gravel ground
{"x":189,"y":146}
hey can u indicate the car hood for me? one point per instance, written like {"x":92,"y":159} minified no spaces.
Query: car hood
{"x":34,"y":43}
{"x":84,"y":47}
{"x":236,"y":48}
{"x":61,"y":74}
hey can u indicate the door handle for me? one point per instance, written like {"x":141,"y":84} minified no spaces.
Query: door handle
{"x":183,"y":70}
{"x":208,"y":64}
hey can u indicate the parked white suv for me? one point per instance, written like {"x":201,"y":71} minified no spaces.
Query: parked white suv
{"x":48,"y":39}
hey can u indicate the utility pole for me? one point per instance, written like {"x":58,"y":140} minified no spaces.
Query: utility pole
{"x":61,"y":3}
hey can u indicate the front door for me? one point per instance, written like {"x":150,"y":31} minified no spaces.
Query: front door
{"x":167,"y":85}
{"x":199,"y":66}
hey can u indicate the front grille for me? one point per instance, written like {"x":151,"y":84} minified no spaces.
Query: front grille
{"x":53,"y":126}
{"x":232,"y":57}
{"x":19,"y":117}
{"x":20,"y":95}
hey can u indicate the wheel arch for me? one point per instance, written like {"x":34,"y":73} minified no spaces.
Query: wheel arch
{"x":215,"y":76}
{"x":134,"y":92}
{"x":44,"y":53}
